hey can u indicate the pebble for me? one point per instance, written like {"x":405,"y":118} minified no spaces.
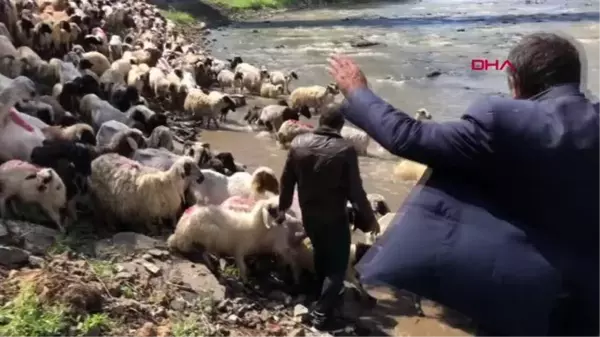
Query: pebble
{"x":151,"y":267}
{"x":300,"y":310}
{"x":233,"y":318}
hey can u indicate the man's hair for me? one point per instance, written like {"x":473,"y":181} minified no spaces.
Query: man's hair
{"x":332,"y":117}
{"x":542,"y":60}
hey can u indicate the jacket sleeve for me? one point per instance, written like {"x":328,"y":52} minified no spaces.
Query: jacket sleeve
{"x":356,"y":192}
{"x":457,"y":144}
{"x":288,"y":182}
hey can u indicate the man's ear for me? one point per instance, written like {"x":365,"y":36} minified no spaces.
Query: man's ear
{"x":513,"y":86}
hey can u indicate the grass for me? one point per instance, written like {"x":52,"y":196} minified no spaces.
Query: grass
{"x":179,"y":17}
{"x":190,"y":326}
{"x":252,"y":4}
{"x":26,"y":315}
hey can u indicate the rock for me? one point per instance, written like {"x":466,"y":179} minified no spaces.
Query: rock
{"x":433,"y":74}
{"x":196,"y":276}
{"x":298,"y":332}
{"x":233,"y":318}
{"x":13,"y":257}
{"x":36,"y":261}
{"x":361,"y":42}
{"x":125,"y":243}
{"x":300,"y":310}
{"x":151,"y":267}
{"x":178,"y":304}
{"x":158,"y":253}
{"x":147,"y":257}
{"x":36,"y":239}
{"x":124,"y":276}
{"x":222,"y":306}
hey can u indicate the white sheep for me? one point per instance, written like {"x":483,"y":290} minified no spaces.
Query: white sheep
{"x":358,"y":138}
{"x":315,"y":96}
{"x":115,"y":46}
{"x":217,"y":187}
{"x":278,"y":77}
{"x":251,"y":80}
{"x":160,"y":85}
{"x":198,"y":105}
{"x":122,"y":67}
{"x":289,"y":130}
{"x":227,"y":79}
{"x":32,"y":184}
{"x":138,"y":76}
{"x":133,"y":193}
{"x":269,"y":90}
{"x":240,"y":234}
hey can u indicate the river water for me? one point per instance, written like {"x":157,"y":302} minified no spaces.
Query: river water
{"x":419,"y":37}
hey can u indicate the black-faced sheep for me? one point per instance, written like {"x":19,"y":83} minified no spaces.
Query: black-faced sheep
{"x":32,"y":184}
{"x":133,"y":193}
{"x":272,"y":116}
{"x":239,"y":234}
{"x":199,"y":105}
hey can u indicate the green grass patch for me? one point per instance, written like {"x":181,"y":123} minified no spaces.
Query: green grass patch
{"x":179,"y":17}
{"x":252,"y":4}
{"x":192,"y":325}
{"x":26,"y":316}
{"x":94,"y":324}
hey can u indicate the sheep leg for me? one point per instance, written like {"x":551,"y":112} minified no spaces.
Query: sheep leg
{"x":241,"y":264}
{"x":72,"y":209}
{"x":55,"y":216}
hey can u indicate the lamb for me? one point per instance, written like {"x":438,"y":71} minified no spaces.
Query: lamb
{"x":198,"y":105}
{"x":131,"y":193}
{"x":239,"y":234}
{"x":32,"y":184}
{"x":227,"y":79}
{"x":289,"y":130}
{"x":99,"y":62}
{"x":269,"y":90}
{"x":358,"y":138}
{"x":279,"y":78}
{"x":316,"y":96}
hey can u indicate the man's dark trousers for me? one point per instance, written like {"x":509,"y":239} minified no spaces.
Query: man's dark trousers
{"x":330,"y":238}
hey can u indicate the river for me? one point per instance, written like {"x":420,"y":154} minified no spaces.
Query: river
{"x":419,"y":37}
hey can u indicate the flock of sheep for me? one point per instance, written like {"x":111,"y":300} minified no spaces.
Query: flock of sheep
{"x":75,"y":121}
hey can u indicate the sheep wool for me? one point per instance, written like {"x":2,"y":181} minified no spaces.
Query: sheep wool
{"x":199,"y":105}
{"x":315,"y":96}
{"x":99,"y":62}
{"x":289,"y":130}
{"x":358,"y":138}
{"x":269,"y":90}
{"x":239,"y":234}
{"x":143,"y":196}
{"x":32,"y":184}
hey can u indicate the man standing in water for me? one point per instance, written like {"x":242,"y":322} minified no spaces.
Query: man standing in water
{"x":506,"y":228}
{"x":325,"y":167}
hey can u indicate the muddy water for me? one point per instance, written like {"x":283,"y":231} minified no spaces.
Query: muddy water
{"x":417,"y":38}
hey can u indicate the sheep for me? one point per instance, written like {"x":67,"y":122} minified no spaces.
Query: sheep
{"x":61,"y":36}
{"x":198,"y":105}
{"x":32,"y":184}
{"x":269,"y":90}
{"x":138,"y":77}
{"x":99,"y":62}
{"x":98,"y":111}
{"x":115,"y":47}
{"x":358,"y":138}
{"x":161,"y":136}
{"x":42,"y":38}
{"x":272,"y":116}
{"x":108,"y":130}
{"x":123,"y":98}
{"x":10,"y":66}
{"x":227,"y":79}
{"x":40,"y":110}
{"x":159,"y":84}
{"x":131,"y":193}
{"x":289,"y":130}
{"x":122,"y":66}
{"x":316,"y":96}
{"x":80,"y":132}
{"x":239,"y":234}
{"x":279,"y":78}
{"x":262,"y":180}
{"x":422,"y":114}
{"x":110,"y":79}
{"x":251,"y":80}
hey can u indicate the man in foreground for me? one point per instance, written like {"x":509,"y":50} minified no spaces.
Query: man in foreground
{"x":506,"y":228}
{"x":325,"y":167}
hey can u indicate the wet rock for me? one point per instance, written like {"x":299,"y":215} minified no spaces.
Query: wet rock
{"x":34,"y":238}
{"x":361,"y":42}
{"x":196,"y":276}
{"x":460,"y":30}
{"x":300,"y":310}
{"x":125,"y":243}
{"x":433,"y":74}
{"x":13,"y":257}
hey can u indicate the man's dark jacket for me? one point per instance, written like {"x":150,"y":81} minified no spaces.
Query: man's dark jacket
{"x":325,"y":167}
{"x":508,"y":221}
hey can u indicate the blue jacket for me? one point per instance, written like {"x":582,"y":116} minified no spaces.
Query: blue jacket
{"x":509,"y":217}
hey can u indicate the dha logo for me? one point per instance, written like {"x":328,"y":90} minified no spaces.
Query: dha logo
{"x":485,"y":64}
